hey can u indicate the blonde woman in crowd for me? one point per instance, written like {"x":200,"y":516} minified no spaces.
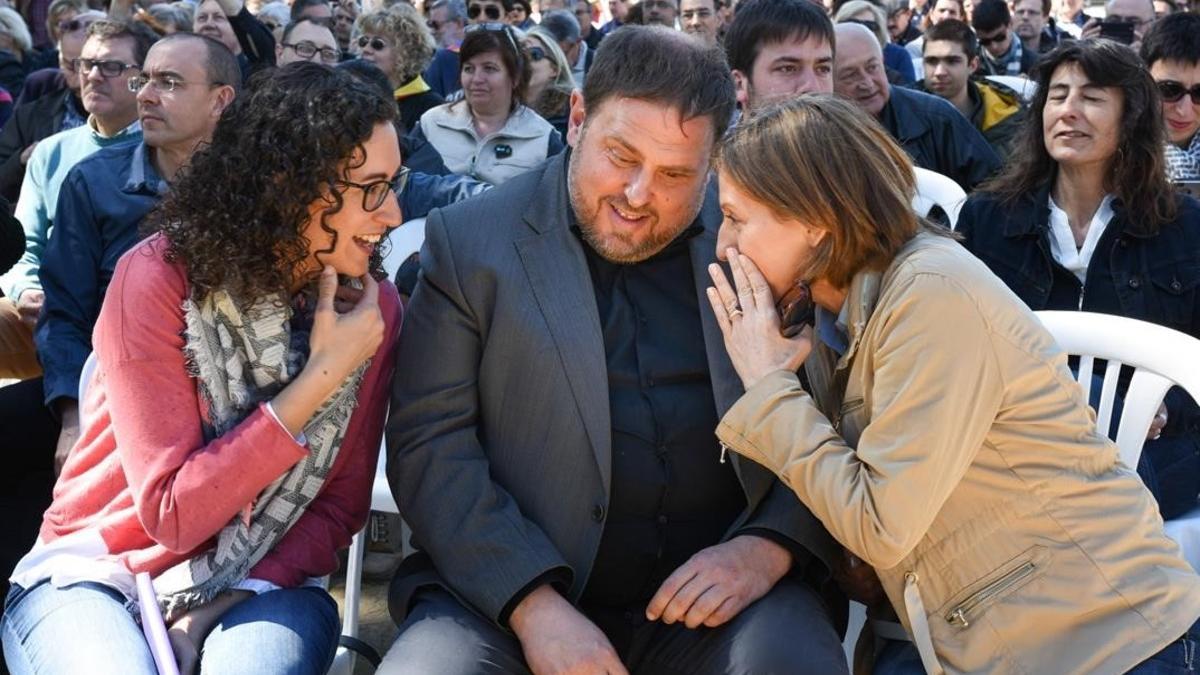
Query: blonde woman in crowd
{"x":398,"y":42}
{"x":550,"y":79}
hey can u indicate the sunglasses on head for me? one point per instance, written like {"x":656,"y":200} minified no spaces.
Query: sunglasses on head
{"x":492,"y":12}
{"x":1171,"y":91}
{"x":497,"y":28}
{"x":376,"y":43}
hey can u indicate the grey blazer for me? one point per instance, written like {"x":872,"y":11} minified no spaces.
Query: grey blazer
{"x":499,"y":436}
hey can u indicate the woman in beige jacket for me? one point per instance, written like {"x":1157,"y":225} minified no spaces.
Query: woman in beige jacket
{"x":945,"y":442}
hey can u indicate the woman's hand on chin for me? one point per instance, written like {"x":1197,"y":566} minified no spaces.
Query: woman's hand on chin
{"x":750,"y":323}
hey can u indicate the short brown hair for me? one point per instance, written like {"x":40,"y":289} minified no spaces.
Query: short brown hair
{"x":824,"y":161}
{"x":140,"y":36}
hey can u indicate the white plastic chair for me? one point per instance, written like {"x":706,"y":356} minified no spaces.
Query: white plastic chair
{"x":1161,"y":358}
{"x":85,"y":380}
{"x":1024,"y":86}
{"x":935,"y":189}
{"x":381,"y":500}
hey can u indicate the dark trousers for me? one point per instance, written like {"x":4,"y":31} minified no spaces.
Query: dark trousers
{"x":789,"y":630}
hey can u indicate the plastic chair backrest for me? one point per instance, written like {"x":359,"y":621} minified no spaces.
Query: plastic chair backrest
{"x":935,"y":189}
{"x":1024,"y":86}
{"x":403,"y":242}
{"x":85,"y":380}
{"x":1161,"y":358}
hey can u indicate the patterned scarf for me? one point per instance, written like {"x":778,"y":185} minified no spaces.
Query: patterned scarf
{"x":240,"y":359}
{"x":1010,"y":63}
{"x":1184,"y":164}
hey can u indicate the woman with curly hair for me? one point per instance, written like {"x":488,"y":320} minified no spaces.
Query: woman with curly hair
{"x":399,"y":43}
{"x":232,"y":423}
{"x":490,"y":135}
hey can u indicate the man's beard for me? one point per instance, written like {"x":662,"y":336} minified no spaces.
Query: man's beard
{"x":620,"y":247}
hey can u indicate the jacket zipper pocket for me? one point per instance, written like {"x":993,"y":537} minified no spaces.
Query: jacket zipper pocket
{"x":958,"y":616}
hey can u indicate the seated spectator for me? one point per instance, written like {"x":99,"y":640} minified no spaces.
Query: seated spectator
{"x":940,"y":436}
{"x":778,"y":49}
{"x":1084,"y":219}
{"x":550,"y":79}
{"x":172,"y":17}
{"x":1037,"y":29}
{"x":274,"y":16}
{"x":16,"y":50}
{"x":112,"y":54}
{"x":345,"y":15}
{"x":930,"y":130}
{"x":490,"y":134}
{"x":900,"y":22}
{"x":231,"y":24}
{"x":565,"y":27}
{"x":398,"y":42}
{"x":292,"y":451}
{"x":104,"y":197}
{"x":1172,"y":51}
{"x":307,"y":40}
{"x":895,"y":59}
{"x":1002,"y":51}
{"x":1137,"y":15}
{"x":951,"y":60}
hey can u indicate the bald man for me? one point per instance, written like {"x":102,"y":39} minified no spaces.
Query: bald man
{"x":930,"y":129}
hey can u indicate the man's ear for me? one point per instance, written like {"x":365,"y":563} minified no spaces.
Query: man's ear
{"x":741,"y":85}
{"x":576,"y":118}
{"x":223,"y":99}
{"x":972,"y":65}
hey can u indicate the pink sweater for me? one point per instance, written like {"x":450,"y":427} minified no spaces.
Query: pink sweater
{"x":143,"y":477}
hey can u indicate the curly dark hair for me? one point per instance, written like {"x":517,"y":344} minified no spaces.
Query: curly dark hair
{"x":1138,"y":173}
{"x":235,"y":217}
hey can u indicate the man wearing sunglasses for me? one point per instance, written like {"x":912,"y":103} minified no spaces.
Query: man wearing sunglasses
{"x":1172,"y":51}
{"x":487,"y":11}
{"x":1003,"y":53}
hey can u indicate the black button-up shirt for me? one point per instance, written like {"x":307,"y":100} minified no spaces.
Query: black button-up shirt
{"x":670,"y":494}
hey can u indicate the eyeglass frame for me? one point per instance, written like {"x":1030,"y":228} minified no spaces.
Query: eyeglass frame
{"x":483,"y":9}
{"x":139,"y":82}
{"x":396,"y":185}
{"x":295,"y":46}
{"x":1192,"y":92}
{"x":78,"y":63}
{"x":372,"y":40}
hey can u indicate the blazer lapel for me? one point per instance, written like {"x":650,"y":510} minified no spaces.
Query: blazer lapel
{"x":557,"y":270}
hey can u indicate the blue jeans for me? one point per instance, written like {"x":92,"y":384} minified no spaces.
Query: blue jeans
{"x":87,"y":628}
{"x":1177,"y":658}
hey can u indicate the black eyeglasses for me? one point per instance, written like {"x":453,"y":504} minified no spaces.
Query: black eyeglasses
{"x":307,"y":50}
{"x":108,"y":69}
{"x":999,"y":37}
{"x":375,"y":193}
{"x":492,"y":12}
{"x":536,"y":53}
{"x":376,"y":43}
{"x":1171,"y":91}
{"x":72,"y":25}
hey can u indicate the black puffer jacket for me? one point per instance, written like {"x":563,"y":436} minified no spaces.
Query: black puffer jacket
{"x":938,"y":137}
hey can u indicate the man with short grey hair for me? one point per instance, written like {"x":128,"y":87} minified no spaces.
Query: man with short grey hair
{"x":447,"y":19}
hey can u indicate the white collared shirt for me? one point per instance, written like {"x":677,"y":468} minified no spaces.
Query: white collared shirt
{"x":1062,"y":239}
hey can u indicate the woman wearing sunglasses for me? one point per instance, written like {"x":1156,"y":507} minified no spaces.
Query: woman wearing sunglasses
{"x":232,"y":424}
{"x":1084,"y":219}
{"x":550,"y":78}
{"x":1171,"y":49}
{"x":399,"y":43}
{"x":490,"y":135}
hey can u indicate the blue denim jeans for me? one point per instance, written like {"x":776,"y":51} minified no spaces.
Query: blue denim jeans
{"x":87,"y":628}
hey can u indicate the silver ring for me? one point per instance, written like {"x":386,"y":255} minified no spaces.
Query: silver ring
{"x":734,"y":313}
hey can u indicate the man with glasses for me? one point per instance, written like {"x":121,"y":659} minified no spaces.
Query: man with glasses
{"x":1002,"y":51}
{"x":1172,"y":51}
{"x":1036,"y":28}
{"x":447,"y":18}
{"x":187,"y":82}
{"x":487,"y":11}
{"x":700,"y":18}
{"x":307,"y":40}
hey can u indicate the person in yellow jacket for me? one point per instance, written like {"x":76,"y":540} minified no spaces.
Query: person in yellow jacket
{"x":942,"y":439}
{"x":951,"y":59}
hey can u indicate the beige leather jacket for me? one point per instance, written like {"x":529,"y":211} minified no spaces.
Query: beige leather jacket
{"x":952,"y":450}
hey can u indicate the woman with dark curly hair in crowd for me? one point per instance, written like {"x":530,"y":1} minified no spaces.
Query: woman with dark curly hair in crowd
{"x":232,"y":424}
{"x":398,"y":42}
{"x":1085,"y":219}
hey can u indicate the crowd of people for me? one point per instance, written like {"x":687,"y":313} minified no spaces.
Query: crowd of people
{"x":678,"y":371}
